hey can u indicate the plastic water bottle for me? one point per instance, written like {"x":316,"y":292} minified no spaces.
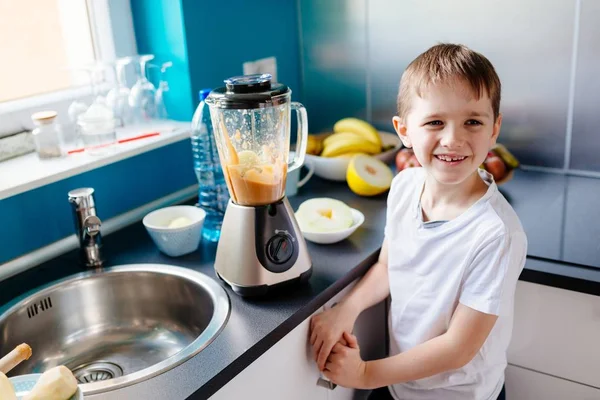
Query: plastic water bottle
{"x":213,"y":194}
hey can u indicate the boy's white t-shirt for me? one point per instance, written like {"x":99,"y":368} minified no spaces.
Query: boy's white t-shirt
{"x":474,"y":259}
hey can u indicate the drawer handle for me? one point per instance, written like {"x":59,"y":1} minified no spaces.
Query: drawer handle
{"x":326,"y":384}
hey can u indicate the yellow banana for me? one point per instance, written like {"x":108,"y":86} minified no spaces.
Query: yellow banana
{"x":314,"y":145}
{"x":359,"y":127}
{"x":340,"y":147}
{"x":340,"y":136}
{"x":349,"y":155}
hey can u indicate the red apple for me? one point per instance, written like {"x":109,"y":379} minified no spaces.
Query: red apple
{"x":495,"y":166}
{"x":412,"y":162}
{"x":401,"y":157}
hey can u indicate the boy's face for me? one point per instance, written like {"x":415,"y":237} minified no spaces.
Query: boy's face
{"x":449,"y":130}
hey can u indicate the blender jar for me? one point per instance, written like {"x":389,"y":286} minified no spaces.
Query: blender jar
{"x":251,"y":122}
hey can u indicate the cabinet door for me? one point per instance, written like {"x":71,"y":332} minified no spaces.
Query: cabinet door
{"x":524,"y":384}
{"x":556,"y":332}
{"x":370,"y":330}
{"x":285,"y":371}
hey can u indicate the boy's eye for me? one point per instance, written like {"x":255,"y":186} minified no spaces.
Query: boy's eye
{"x":473,"y":122}
{"x":435,"y":123}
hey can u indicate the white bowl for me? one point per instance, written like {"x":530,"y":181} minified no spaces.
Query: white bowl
{"x":175,"y":242}
{"x":334,"y":168}
{"x":334,"y":237}
{"x":23,"y":384}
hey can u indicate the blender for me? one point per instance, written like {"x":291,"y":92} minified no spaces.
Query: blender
{"x":261,"y":246}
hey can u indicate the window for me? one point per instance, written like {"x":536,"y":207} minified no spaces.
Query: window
{"x":40,"y":43}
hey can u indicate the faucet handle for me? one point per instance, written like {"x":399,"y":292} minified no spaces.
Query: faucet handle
{"x":82,"y":198}
{"x":91,"y":225}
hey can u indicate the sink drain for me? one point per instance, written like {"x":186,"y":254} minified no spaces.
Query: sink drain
{"x":97,"y":371}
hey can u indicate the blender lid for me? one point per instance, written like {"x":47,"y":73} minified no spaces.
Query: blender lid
{"x":249,"y":91}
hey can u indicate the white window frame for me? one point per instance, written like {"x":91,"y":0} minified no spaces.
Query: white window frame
{"x":111,"y":23}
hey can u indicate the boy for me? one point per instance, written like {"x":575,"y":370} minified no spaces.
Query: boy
{"x":453,"y":248}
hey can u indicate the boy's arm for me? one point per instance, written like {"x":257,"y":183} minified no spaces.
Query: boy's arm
{"x":327,"y":327}
{"x":373,"y":288}
{"x":466,"y":334}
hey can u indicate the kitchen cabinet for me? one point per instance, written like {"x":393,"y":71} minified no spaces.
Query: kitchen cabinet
{"x":285,"y":371}
{"x":524,"y":384}
{"x":556,"y":332}
{"x":370,"y":330}
{"x":288,"y":371}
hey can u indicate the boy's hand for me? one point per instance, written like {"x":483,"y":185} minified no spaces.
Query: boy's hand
{"x":326,"y":330}
{"x":344,"y":365}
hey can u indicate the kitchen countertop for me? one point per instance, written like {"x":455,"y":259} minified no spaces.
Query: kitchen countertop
{"x":560,"y":215}
{"x":255,"y":325}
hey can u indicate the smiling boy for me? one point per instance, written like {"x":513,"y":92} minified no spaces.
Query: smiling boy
{"x":453,"y":248}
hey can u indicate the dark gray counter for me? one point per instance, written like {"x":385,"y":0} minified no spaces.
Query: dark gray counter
{"x":257,"y":324}
{"x":560,"y":214}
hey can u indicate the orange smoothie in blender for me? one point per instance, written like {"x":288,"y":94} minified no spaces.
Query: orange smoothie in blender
{"x":253,"y":182}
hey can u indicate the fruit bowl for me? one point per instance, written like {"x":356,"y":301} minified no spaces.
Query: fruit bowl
{"x":23,"y":384}
{"x":176,"y":239}
{"x":334,"y":168}
{"x":337,"y":236}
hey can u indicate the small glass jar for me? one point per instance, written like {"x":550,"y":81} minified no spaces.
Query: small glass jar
{"x":98,"y":135}
{"x":97,"y":128}
{"x":47,"y":134}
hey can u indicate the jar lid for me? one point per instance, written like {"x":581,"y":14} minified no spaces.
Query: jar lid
{"x":248,"y":92}
{"x":44,"y":116}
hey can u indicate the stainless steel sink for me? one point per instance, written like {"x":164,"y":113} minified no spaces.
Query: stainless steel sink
{"x":117,"y":327}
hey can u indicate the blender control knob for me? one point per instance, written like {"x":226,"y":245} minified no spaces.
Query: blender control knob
{"x":280,"y":248}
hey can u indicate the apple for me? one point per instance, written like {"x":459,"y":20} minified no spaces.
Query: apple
{"x":411,"y":162}
{"x":401,"y":157}
{"x":495,"y":166}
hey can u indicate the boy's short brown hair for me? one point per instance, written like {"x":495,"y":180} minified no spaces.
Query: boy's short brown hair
{"x":441,"y":64}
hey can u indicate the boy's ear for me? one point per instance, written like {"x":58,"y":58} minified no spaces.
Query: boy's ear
{"x":401,"y":130}
{"x":496,"y":131}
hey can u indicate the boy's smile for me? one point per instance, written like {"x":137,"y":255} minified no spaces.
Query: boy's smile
{"x":450,"y":130}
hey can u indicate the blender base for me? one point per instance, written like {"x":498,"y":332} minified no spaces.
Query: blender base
{"x":262,"y":290}
{"x":261,"y":248}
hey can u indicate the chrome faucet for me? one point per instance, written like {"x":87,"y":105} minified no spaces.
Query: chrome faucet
{"x":87,"y":226}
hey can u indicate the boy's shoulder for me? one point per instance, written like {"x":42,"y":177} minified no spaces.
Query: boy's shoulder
{"x":497,"y":217}
{"x":501,"y":216}
{"x":409,"y":174}
{"x":405,"y":181}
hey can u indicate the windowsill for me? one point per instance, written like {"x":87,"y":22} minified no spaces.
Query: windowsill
{"x":28,"y":172}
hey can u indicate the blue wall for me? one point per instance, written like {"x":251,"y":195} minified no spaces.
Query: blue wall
{"x":222,"y":35}
{"x":159,"y":30}
{"x":209,"y":41}
{"x":42,"y":216}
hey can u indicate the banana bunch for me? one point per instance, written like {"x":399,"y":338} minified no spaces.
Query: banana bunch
{"x":341,"y":143}
{"x":314,"y":145}
{"x":350,"y":136}
{"x":359,"y":127}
